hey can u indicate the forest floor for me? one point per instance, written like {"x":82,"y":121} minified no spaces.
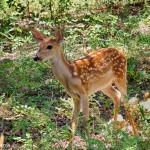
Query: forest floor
{"x":35,"y":111}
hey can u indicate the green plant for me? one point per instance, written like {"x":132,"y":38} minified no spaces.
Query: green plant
{"x":35,"y":110}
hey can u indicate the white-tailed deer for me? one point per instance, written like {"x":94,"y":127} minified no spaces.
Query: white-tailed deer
{"x":95,"y":72}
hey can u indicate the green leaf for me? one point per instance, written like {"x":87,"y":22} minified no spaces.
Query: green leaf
{"x":19,"y":30}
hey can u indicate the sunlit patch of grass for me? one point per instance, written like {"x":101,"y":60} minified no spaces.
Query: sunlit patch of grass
{"x":36,"y":112}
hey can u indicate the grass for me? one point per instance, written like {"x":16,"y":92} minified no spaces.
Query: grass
{"x":35,"y":112}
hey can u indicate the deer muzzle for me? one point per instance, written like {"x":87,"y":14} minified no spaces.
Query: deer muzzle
{"x":36,"y":58}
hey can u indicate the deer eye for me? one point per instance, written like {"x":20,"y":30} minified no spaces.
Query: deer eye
{"x":49,"y":47}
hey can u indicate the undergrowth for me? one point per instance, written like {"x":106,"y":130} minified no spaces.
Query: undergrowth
{"x":35,"y":111}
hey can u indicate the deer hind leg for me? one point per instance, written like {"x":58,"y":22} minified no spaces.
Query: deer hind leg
{"x":116,"y":96}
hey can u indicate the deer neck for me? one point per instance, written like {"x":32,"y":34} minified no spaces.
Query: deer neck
{"x":61,"y":68}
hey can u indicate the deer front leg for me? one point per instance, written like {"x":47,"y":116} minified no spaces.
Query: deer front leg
{"x":76,"y":111}
{"x":85,"y":109}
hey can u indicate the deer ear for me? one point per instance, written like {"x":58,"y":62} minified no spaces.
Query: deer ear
{"x":59,"y":36}
{"x":38,"y":35}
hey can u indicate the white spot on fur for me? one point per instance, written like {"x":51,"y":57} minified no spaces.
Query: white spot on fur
{"x":116,"y":57}
{"x":75,"y":73}
{"x":81,"y":76}
{"x":90,"y":68}
{"x":94,"y":55}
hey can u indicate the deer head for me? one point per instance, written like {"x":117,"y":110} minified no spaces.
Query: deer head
{"x":48,"y":46}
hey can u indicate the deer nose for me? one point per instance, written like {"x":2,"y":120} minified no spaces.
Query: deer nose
{"x":36,"y":58}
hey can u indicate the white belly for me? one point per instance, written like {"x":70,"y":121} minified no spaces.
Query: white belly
{"x":100,"y":82}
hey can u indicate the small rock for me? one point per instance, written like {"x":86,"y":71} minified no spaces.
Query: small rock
{"x":133,"y":100}
{"x":119,"y":118}
{"x":146,"y":104}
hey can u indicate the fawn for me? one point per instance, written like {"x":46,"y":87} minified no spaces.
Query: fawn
{"x":95,"y":72}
